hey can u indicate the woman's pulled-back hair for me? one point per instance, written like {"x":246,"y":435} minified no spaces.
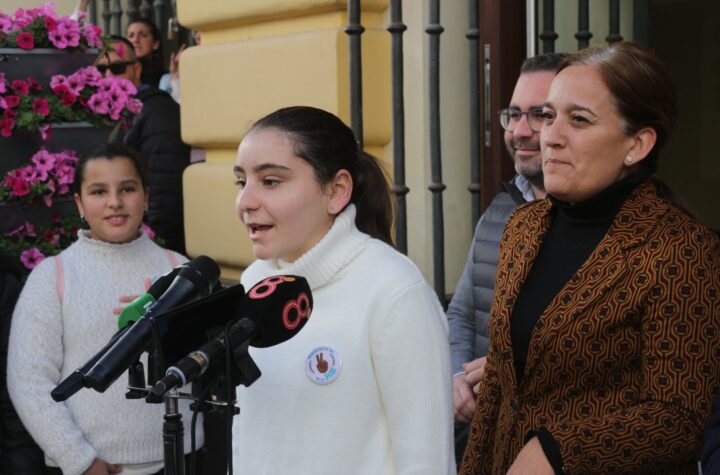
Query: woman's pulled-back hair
{"x":328,"y":145}
{"x":109,"y":151}
{"x":642,"y":91}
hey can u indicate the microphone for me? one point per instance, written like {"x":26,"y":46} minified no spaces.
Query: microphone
{"x":130,"y":314}
{"x":273,"y":311}
{"x":76,"y":381}
{"x":137,"y":308}
{"x":195,"y":280}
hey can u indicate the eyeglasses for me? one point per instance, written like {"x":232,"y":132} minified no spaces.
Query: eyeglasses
{"x":116,"y":67}
{"x":510,"y":118}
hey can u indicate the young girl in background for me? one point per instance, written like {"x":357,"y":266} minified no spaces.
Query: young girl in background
{"x":65,"y":314}
{"x":364,"y":387}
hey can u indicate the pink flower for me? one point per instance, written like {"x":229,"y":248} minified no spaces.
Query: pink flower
{"x":44,"y":160}
{"x":34,"y":85}
{"x":92,"y":75}
{"x":58,"y":37}
{"x":92,"y":35}
{"x":51,"y":237}
{"x":32,"y":257}
{"x":134,"y":105}
{"x":57,"y":80}
{"x":6,"y":126}
{"x":20,"y":87}
{"x":75,"y":83}
{"x":50,"y":23}
{"x":105,"y":85}
{"x":25,"y":40}
{"x":65,"y":174}
{"x":19,"y":187}
{"x":99,"y":104}
{"x":23,"y":17}
{"x":6,"y":23}
{"x":12,"y":100}
{"x":40,"y":106}
{"x":45,"y":131}
{"x":124,"y":85}
{"x":68,"y":99}
{"x":10,"y":114}
{"x":27,"y":173}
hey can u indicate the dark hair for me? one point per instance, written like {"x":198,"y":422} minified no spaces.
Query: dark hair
{"x":328,"y":145}
{"x":118,"y":39}
{"x":109,"y":151}
{"x":542,"y":62}
{"x":642,"y":92}
{"x":152,"y":64}
{"x":154,"y":30}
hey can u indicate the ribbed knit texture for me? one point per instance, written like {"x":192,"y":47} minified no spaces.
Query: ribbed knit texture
{"x":50,"y":339}
{"x":389,"y":411}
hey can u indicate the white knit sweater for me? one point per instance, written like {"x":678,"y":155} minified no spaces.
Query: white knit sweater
{"x":49,"y":339}
{"x":389,"y":410}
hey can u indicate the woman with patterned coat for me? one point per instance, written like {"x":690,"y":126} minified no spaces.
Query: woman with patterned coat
{"x":605,"y":325}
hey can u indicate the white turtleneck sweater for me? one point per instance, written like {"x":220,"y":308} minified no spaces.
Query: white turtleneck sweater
{"x":49,"y":339}
{"x":383,"y":332}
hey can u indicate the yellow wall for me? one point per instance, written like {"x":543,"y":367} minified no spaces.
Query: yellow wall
{"x":62,"y":7}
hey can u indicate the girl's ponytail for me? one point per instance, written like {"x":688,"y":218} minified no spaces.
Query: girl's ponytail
{"x":371,"y":196}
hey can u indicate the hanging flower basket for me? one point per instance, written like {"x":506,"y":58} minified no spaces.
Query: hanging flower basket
{"x":43,"y":63}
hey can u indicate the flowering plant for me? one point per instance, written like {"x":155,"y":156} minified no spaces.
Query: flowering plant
{"x":42,"y":28}
{"x":82,"y":96}
{"x":49,"y":175}
{"x":32,"y":244}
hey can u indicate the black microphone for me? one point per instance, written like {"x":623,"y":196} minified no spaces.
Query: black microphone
{"x":195,"y":280}
{"x":273,"y":311}
{"x":130,"y":314}
{"x":137,"y":308}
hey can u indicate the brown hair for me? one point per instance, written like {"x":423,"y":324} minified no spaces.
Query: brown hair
{"x":328,"y":145}
{"x":643,"y":94}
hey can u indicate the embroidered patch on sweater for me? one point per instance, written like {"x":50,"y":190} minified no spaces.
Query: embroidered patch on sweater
{"x":323,"y":365}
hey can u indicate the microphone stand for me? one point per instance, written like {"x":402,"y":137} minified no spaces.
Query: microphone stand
{"x":173,"y":433}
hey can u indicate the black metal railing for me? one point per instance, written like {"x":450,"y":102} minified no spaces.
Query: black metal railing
{"x":396,"y":29}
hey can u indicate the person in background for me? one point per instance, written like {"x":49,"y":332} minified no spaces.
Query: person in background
{"x":155,"y":133}
{"x":364,"y":388}
{"x":147,"y":42}
{"x":19,"y":454}
{"x":605,"y":325}
{"x":469,"y":308}
{"x":65,"y":313}
{"x":170,"y":82}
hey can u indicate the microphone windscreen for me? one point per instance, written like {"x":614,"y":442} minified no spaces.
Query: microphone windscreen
{"x":280,"y":306}
{"x":206,"y":267}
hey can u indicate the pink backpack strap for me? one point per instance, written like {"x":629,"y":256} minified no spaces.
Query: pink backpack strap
{"x":60,"y":280}
{"x":172,"y":258}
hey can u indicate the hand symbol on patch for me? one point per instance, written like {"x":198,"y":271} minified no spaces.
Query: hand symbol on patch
{"x":322,"y":365}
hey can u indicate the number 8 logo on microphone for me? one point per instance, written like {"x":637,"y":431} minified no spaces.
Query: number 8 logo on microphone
{"x":301,"y":306}
{"x":267,"y":287}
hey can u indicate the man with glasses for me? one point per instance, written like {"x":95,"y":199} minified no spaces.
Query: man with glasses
{"x":470,"y":307}
{"x":155,"y":133}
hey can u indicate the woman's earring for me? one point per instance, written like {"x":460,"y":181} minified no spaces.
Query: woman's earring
{"x":82,"y":217}
{"x":628,"y":159}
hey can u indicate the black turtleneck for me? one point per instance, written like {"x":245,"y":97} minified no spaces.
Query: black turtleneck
{"x":575,"y":231}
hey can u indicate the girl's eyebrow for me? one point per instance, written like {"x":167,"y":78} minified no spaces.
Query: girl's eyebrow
{"x":262,"y":167}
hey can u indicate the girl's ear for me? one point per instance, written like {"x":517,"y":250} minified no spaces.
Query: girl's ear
{"x":79,"y":205}
{"x":340,"y":191}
